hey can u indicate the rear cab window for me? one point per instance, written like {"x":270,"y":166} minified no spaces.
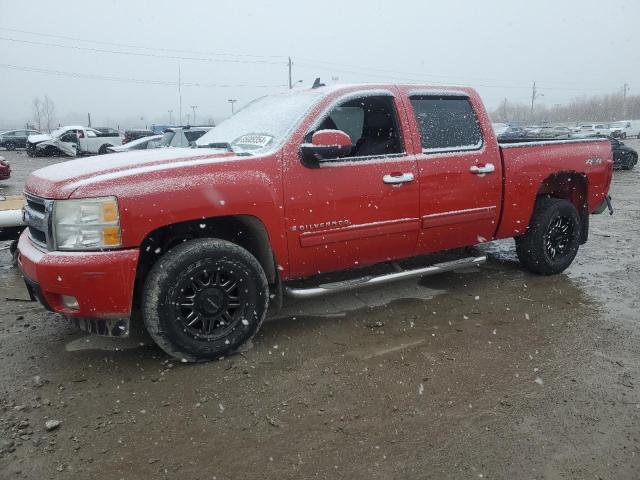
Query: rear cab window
{"x":446,"y":123}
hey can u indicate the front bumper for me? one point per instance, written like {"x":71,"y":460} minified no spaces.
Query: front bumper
{"x":101,"y":282}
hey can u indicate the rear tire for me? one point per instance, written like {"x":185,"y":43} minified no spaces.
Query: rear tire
{"x":553,"y":238}
{"x":203,"y":299}
{"x":103,"y":149}
{"x":623,"y":136}
{"x":10,"y":146}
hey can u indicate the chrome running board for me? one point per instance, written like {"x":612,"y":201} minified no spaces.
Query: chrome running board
{"x":335,"y":287}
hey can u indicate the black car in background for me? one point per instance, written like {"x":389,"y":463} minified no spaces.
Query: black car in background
{"x":108,"y":132}
{"x":624,"y":157}
{"x":13,"y":139}
{"x":130,"y":135}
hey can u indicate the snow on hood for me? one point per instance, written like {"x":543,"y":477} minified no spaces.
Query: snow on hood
{"x":61,"y":179}
{"x":39,"y":138}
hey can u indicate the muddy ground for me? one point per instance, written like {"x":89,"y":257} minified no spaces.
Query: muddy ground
{"x":485,"y":373}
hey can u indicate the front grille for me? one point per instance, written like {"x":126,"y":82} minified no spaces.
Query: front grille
{"x":37,"y":213}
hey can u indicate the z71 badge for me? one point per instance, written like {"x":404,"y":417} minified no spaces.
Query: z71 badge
{"x":594,"y":161}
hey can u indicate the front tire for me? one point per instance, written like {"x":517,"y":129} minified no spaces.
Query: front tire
{"x":553,"y":238}
{"x":203,"y":299}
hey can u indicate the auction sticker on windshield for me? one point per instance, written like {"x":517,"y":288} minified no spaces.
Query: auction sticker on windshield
{"x":253,"y":140}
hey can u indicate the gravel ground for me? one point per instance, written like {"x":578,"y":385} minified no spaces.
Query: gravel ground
{"x":484,"y":373}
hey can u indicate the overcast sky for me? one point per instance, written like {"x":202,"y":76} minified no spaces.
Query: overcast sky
{"x":570,"y":48}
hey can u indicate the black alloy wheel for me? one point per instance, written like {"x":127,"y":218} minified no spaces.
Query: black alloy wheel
{"x":207,"y":303}
{"x":558,"y":237}
{"x":552,"y":239}
{"x":204,"y":298}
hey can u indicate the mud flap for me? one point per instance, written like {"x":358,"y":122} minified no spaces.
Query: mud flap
{"x":584,"y":225}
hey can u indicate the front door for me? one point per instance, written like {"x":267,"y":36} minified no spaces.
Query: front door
{"x":357,"y":210}
{"x":460,"y":173}
{"x":68,"y":143}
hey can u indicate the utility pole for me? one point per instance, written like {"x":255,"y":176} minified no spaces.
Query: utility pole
{"x":170,"y":121}
{"x":180,"y":95}
{"x":534,"y":95}
{"x":88,"y":119}
{"x":193,"y":107}
{"x":232,"y":101}
{"x":290,"y":63}
{"x":625,"y":89}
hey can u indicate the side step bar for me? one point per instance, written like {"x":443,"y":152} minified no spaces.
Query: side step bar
{"x":352,"y":284}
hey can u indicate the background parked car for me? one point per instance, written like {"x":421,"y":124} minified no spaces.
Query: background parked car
{"x":594,"y":129}
{"x":131,"y":135}
{"x":107,"y":131}
{"x":624,"y":157}
{"x":625,"y":128}
{"x":143,"y":143}
{"x":182,"y":136}
{"x":71,"y":141}
{"x":500,"y":128}
{"x":555,"y":131}
{"x":13,"y":139}
{"x":512,"y":132}
{"x":5,"y":169}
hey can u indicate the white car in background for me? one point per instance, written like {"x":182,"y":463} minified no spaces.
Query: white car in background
{"x":144,"y":143}
{"x":72,"y":141}
{"x":500,"y":128}
{"x":594,"y":129}
{"x":625,"y":128}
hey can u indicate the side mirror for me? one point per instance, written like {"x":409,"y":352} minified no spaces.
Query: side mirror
{"x":325,"y":145}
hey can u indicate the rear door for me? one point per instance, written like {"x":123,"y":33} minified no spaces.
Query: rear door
{"x":358,"y":210}
{"x":459,"y":168}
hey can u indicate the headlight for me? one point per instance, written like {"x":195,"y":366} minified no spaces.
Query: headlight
{"x":86,"y":224}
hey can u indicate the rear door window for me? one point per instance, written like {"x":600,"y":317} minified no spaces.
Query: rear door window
{"x":446,"y":123}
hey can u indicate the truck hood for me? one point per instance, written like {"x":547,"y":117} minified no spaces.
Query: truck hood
{"x":39,"y":138}
{"x":59,"y":181}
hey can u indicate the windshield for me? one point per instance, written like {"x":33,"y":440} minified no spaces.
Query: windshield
{"x":166,"y":138}
{"x":263,"y":124}
{"x":58,"y":132}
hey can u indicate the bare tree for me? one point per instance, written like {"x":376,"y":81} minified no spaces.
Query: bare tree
{"x":49,"y":112}
{"x":37,"y":107}
{"x":602,"y":108}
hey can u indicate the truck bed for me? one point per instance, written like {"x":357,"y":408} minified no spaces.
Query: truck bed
{"x":529,"y":166}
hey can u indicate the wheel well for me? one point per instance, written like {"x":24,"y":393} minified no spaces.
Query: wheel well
{"x":244,"y":230}
{"x":573,"y":187}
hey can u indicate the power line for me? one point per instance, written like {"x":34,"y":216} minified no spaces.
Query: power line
{"x":141,"y":47}
{"x":304,"y":61}
{"x":90,"y":76}
{"x":414,"y":76}
{"x":138,"y":54}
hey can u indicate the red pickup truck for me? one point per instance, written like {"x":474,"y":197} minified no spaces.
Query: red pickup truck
{"x":199,"y":241}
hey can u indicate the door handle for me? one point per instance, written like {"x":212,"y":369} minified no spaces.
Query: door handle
{"x":482,"y":169}
{"x":401,"y":178}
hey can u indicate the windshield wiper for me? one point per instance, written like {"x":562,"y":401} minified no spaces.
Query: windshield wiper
{"x":221,"y":145}
{"x":226,"y":146}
